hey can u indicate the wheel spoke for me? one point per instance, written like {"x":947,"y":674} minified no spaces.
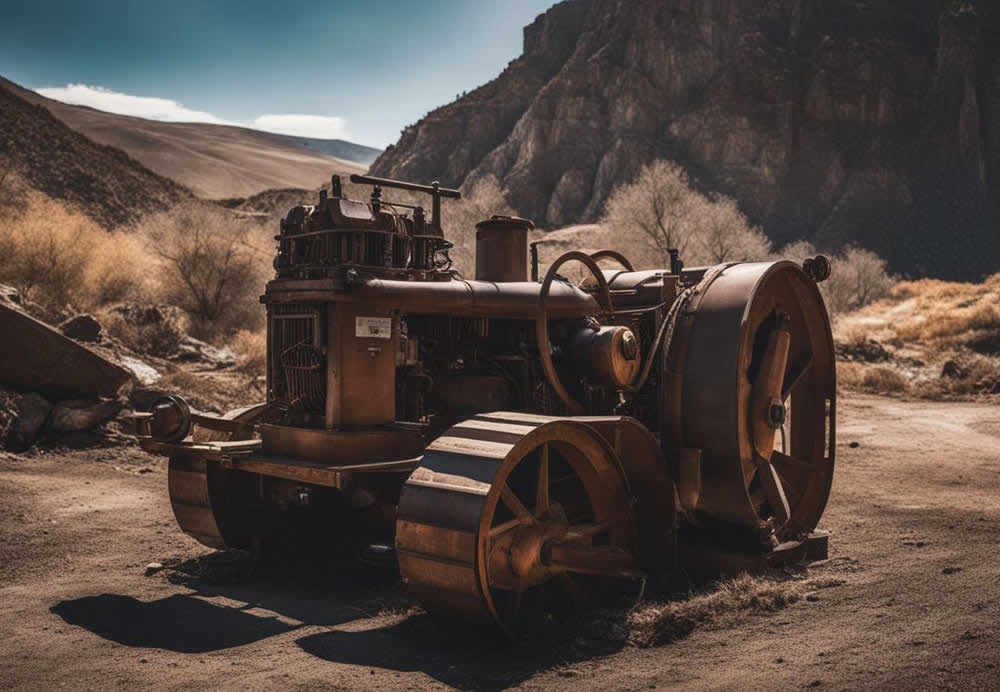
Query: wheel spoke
{"x":767,"y":385}
{"x":516,"y":506}
{"x":795,"y":376}
{"x":795,"y":476}
{"x":775,"y":494}
{"x":542,"y":491}
{"x":584,"y":531}
{"x":787,"y":460}
{"x":503,"y":528}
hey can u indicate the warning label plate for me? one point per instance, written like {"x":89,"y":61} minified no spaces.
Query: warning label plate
{"x":373,"y":327}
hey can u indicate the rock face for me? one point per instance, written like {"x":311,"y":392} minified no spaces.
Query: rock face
{"x":41,"y":359}
{"x":876,"y":123}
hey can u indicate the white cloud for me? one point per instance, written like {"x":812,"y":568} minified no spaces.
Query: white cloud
{"x":301,"y":125}
{"x":317,"y":126}
{"x":126,"y":104}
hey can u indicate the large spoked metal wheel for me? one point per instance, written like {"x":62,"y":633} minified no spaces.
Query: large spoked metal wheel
{"x":509,"y":512}
{"x":750,"y":381}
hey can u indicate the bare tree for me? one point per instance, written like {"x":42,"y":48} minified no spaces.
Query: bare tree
{"x":661,"y":207}
{"x":863,"y":279}
{"x":213,"y":269}
{"x":657,"y":205}
{"x":725,"y":235}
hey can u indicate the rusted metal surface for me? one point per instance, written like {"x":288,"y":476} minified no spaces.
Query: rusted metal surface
{"x":505,"y":503}
{"x":502,"y":249}
{"x":342,"y":446}
{"x":518,"y":439}
{"x":757,"y":338}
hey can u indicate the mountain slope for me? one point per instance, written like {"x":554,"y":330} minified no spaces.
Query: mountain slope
{"x":104,"y":182}
{"x":214,"y":161}
{"x":838,"y":121}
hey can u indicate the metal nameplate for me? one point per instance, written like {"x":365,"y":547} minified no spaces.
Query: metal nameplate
{"x":373,"y":327}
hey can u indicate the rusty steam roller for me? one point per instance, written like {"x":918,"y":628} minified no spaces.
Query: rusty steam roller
{"x":516,"y":440}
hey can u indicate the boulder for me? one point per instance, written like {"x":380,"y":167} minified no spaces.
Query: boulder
{"x":34,"y":357}
{"x":864,"y":351}
{"x":191,"y":350}
{"x":144,"y":373}
{"x":82,"y":328}
{"x":22,"y":417}
{"x":954,"y":370}
{"x":83,"y":414}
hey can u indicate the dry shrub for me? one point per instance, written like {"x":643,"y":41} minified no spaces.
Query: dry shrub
{"x":880,"y":380}
{"x":58,"y":257}
{"x":157,"y":338}
{"x":660,"y":210}
{"x":120,"y":269}
{"x":251,"y":352}
{"x":874,"y":379}
{"x":214,"y":266}
{"x":858,"y":278}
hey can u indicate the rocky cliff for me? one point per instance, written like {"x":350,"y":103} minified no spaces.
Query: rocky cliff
{"x":840,"y":121}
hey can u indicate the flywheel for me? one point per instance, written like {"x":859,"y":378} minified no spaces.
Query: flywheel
{"x":509,"y":512}
{"x":750,"y":383}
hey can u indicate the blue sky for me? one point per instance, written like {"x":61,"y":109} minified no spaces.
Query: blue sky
{"x":357,"y":70}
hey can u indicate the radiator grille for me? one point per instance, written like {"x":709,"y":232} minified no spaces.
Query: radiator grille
{"x":297,"y":365}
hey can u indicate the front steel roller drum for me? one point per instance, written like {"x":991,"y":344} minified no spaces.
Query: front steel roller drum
{"x":750,"y":381}
{"x":205,"y":496}
{"x":505,"y":507}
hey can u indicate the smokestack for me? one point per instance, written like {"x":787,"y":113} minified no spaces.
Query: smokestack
{"x":502,"y":249}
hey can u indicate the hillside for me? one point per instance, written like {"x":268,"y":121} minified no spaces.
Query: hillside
{"x":837,"y":121}
{"x":104,"y":182}
{"x":214,"y":161}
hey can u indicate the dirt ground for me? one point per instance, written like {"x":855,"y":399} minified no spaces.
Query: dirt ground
{"x":915,"y":517}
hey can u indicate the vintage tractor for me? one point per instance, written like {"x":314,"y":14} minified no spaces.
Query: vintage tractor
{"x":507,"y":437}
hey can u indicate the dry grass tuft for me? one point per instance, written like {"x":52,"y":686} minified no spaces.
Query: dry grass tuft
{"x":251,"y":352}
{"x":661,"y":623}
{"x":881,"y":380}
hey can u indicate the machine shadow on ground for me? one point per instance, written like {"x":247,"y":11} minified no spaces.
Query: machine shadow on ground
{"x":457,"y":654}
{"x":179,"y":623}
{"x":403,"y":638}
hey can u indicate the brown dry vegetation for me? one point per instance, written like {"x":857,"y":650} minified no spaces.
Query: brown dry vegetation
{"x":943,"y":339}
{"x":58,"y":257}
{"x":197,"y":257}
{"x":719,"y":604}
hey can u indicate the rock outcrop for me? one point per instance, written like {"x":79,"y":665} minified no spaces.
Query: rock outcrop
{"x":875,"y":123}
{"x":41,"y":359}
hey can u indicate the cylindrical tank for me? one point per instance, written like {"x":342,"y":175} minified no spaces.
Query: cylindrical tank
{"x":502,"y":249}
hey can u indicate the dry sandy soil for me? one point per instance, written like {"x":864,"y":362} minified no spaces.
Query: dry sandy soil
{"x":915,"y":516}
